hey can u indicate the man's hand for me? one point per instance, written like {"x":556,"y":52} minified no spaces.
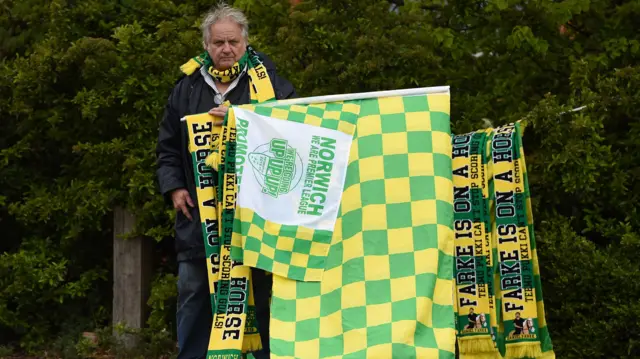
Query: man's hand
{"x":219,"y":111}
{"x":181,"y":199}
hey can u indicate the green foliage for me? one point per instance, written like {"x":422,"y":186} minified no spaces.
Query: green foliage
{"x":83,"y":84}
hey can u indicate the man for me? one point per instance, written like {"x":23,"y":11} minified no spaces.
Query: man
{"x":518,"y":324}
{"x":472,"y":317}
{"x":226,"y":72}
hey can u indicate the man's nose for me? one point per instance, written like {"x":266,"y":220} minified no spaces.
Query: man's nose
{"x":226,"y":47}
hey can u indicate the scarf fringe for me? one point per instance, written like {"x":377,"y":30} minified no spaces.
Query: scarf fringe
{"x":190,"y":67}
{"x":471,"y":346}
{"x":495,"y":355}
{"x":523,"y":350}
{"x":251,"y":343}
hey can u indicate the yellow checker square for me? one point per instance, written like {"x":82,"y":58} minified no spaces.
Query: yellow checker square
{"x":352,"y":247}
{"x":319,"y":249}
{"x":346,"y":127}
{"x":374,"y":217}
{"x":369,"y":125}
{"x":391,"y":105}
{"x":418,"y":121}
{"x":321,"y":106}
{"x":331,"y":115}
{"x":284,"y":288}
{"x":298,"y":108}
{"x":424,"y":311}
{"x":308,"y":349}
{"x":355,"y":340}
{"x":397,"y":190}
{"x":446,"y":338}
{"x":331,"y":325}
{"x":272,"y":228}
{"x":285,"y":243}
{"x":445,"y":239}
{"x":426,"y":261}
{"x":352,"y":295}
{"x":309,"y":308}
{"x":395,"y":143}
{"x":305,"y":233}
{"x":351,"y":198}
{"x":279,"y":113}
{"x":354,"y":154}
{"x":371,"y":168}
{"x":441,"y":142}
{"x":439,"y":102}
{"x":331,"y":280}
{"x":421,"y":164}
{"x":282,"y":330}
{"x":312,"y":120}
{"x":278,"y":268}
{"x":250,"y":257}
{"x":378,"y":314}
{"x":444,"y":189}
{"x":376,"y":267}
{"x":403,"y":332}
{"x":313,"y":274}
{"x":381,"y":351}
{"x":255,"y":231}
{"x":400,"y":240}
{"x":246,"y":214}
{"x":351,"y":107}
{"x":423,"y":212}
{"x":299,"y":259}
{"x":443,"y":292}
{"x":403,"y":288}
{"x":267,"y":251}
{"x":427,"y":352}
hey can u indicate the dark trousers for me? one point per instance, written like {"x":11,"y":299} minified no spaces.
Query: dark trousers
{"x":194,"y":309}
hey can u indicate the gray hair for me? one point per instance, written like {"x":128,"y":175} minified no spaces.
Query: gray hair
{"x":220,"y":12}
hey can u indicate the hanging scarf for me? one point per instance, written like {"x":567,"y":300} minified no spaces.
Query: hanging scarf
{"x":234,"y":330}
{"x":474,"y":300}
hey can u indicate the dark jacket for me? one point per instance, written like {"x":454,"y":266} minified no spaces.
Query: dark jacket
{"x":192,"y":95}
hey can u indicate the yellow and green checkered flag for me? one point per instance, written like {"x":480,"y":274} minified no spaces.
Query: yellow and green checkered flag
{"x":357,"y":225}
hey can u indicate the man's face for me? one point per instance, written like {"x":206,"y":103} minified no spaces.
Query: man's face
{"x":226,"y":44}
{"x":517,"y":315}
{"x":470,"y":311}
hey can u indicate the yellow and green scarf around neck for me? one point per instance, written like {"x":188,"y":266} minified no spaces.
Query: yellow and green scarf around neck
{"x":234,"y":329}
{"x":260,"y":86}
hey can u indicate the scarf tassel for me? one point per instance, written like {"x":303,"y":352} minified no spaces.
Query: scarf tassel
{"x":477,"y":348}
{"x":523,"y":350}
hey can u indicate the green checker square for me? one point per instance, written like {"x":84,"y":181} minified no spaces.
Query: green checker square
{"x":331,"y":302}
{"x":369,"y":146}
{"x":398,"y":215}
{"x":263,"y":110}
{"x":356,"y":355}
{"x":353,"y":271}
{"x":296,"y":116}
{"x":353,"y":174}
{"x":378,"y":291}
{"x":375,"y":243}
{"x":424,"y":336}
{"x":265,"y":263}
{"x":281,"y":347}
{"x":443,"y":354}
{"x":415,"y":103}
{"x":422,"y":187}
{"x":315,"y":111}
{"x":307,"y":289}
{"x":308,"y":329}
{"x":372,"y":192}
{"x":282,"y":256}
{"x":316,"y":262}
{"x":330,"y":123}
{"x":442,"y":316}
{"x":402,"y":265}
{"x":252,"y":244}
{"x":425,"y":236}
{"x":301,"y":246}
{"x":369,"y":107}
{"x":296,"y":272}
{"x":445,"y":265}
{"x":399,"y":350}
{"x":419,"y":142}
{"x":442,"y":165}
{"x":395,"y":122}
{"x":331,"y":346}
{"x":444,"y":213}
{"x":288,"y":231}
{"x":397,"y":166}
{"x":354,"y":318}
{"x":322,"y":236}
{"x":425,"y":285}
{"x":334,"y":257}
{"x":380,"y":334}
{"x":349,"y":117}
{"x":440,"y":122}
{"x":258,"y":221}
{"x":333,"y":106}
{"x":351,"y":223}
{"x":269,"y":239}
{"x":404,"y":310}
{"x":244,"y":228}
{"x":284,"y":309}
